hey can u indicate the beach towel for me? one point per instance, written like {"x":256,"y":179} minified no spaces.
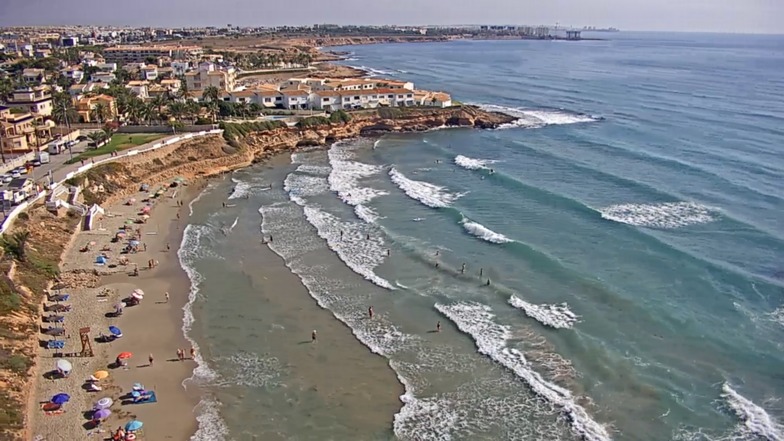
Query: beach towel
{"x":150,"y":399}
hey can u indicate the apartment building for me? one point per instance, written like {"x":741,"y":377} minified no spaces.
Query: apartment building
{"x":208,"y":74}
{"x":36,"y":100}
{"x":20,"y":131}
{"x":138,"y":54}
{"x":86,"y":106}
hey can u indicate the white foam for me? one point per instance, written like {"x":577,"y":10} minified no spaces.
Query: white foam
{"x":194,"y":200}
{"x":484,"y":233}
{"x":248,"y":369}
{"x":373,"y":72}
{"x":777,"y":315}
{"x":228,"y":230}
{"x":345,"y":176}
{"x":366,"y":213}
{"x":476,"y":320}
{"x":241,"y":189}
{"x":666,"y":215}
{"x":554,"y":316}
{"x":531,"y":119}
{"x":314,"y":169}
{"x":210,"y":425}
{"x":298,"y":185}
{"x":755,"y":420}
{"x":472,"y":163}
{"x":429,"y":194}
{"x":360,"y":254}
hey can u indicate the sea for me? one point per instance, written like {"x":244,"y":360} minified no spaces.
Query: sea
{"x":608,"y":266}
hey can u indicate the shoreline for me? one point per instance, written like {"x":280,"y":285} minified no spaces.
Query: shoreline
{"x":150,"y":328}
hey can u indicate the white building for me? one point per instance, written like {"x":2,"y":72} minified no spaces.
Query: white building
{"x":139,"y":88}
{"x":180,"y":67}
{"x":210,"y":75}
{"x":149,"y":72}
{"x":102,"y":77}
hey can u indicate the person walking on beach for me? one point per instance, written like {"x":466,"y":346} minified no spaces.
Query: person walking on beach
{"x":179,"y":354}
{"x":370,"y":312}
{"x":167,"y":296}
{"x":168,"y":247}
{"x":150,"y":359}
{"x":313,"y":336}
{"x":193,"y":353}
{"x":144,"y":246}
{"x":438,"y":326}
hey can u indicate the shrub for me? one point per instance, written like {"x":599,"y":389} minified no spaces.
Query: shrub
{"x":339,"y":116}
{"x":313,"y":121}
{"x":18,"y":364}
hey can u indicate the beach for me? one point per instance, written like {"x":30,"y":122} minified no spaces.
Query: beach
{"x":154,"y":327}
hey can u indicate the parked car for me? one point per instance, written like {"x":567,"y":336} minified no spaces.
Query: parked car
{"x":4,"y":178}
{"x":15,"y":174}
{"x":36,"y":163}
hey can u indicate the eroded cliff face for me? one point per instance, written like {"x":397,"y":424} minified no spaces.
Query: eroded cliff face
{"x":213,"y":155}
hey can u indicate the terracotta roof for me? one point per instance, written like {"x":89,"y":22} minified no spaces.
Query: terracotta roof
{"x":326,"y":93}
{"x":295,"y":92}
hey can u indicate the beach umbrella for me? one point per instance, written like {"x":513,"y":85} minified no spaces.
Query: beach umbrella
{"x":137,"y":296}
{"x":134,"y":425}
{"x":64,"y":365}
{"x":60,"y":398}
{"x":115,"y":330}
{"x":101,"y":414}
{"x":104,"y":403}
{"x":138,"y":291}
{"x":100,"y":375}
{"x":124,"y":355}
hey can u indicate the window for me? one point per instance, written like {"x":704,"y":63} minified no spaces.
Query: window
{"x":356,"y":97}
{"x":267,"y":100}
{"x":325,"y":99}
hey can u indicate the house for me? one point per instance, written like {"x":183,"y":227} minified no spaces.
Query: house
{"x":33,"y":76}
{"x":295,"y":99}
{"x":180,"y":67}
{"x":149,"y":72}
{"x":435,"y":99}
{"x":86,"y":107}
{"x":209,"y":75}
{"x":73,"y":73}
{"x":269,"y":98}
{"x":325,"y":100}
{"x":107,"y":67}
{"x":78,"y":90}
{"x":20,"y":189}
{"x":102,"y":77}
{"x":140,"y":88}
{"x":36,"y":100}
{"x":396,"y":97}
{"x":18,"y":132}
{"x":171,"y":85}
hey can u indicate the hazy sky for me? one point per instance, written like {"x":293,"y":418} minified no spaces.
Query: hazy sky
{"x":757,"y":16}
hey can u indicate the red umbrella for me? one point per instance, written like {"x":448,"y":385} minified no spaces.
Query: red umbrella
{"x":125,"y":355}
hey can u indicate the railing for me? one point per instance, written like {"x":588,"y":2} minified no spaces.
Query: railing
{"x":11,"y":216}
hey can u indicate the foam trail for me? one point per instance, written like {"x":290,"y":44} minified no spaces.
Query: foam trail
{"x":344,"y":180}
{"x":194,"y":200}
{"x":429,"y":194}
{"x":473,"y":163}
{"x":483,"y":232}
{"x":313,"y":169}
{"x":211,"y":427}
{"x":755,"y":420}
{"x":531,"y":119}
{"x":554,"y":316}
{"x":476,"y":320}
{"x":667,"y":215}
{"x":241,"y":189}
{"x":226,"y":231}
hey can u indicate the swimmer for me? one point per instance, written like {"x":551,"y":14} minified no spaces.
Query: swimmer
{"x":370,"y":312}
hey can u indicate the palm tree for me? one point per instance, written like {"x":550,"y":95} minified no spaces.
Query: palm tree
{"x":63,"y":109}
{"x":134,"y":108}
{"x":159,"y":102}
{"x":242,"y":109}
{"x":192,"y":110}
{"x":177,"y":110}
{"x":98,"y":136}
{"x":211,"y":93}
{"x":100,"y":112}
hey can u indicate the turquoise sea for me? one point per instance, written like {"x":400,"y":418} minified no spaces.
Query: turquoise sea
{"x":609,"y":266}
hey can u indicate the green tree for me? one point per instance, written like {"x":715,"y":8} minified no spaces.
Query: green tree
{"x":63,"y":109}
{"x":16,"y":245}
{"x":100,"y":112}
{"x":211,"y":94}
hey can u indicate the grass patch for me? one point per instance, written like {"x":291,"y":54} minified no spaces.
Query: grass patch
{"x":120,"y":141}
{"x":18,"y":364}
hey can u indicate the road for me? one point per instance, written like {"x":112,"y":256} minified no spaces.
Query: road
{"x":60,"y":169}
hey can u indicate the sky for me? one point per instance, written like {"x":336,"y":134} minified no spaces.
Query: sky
{"x":736,"y":16}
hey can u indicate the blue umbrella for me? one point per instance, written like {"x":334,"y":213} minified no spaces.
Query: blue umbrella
{"x":115,"y":330}
{"x":60,"y":398}
{"x":134,"y":425}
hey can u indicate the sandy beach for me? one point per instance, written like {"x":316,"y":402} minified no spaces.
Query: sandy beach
{"x":154,"y":327}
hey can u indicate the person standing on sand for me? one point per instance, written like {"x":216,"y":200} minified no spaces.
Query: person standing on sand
{"x":144,"y":246}
{"x":179,"y":354}
{"x":167,"y":296}
{"x":438,"y":326}
{"x":150,"y":359}
{"x":370,"y":312}
{"x":193,"y":353}
{"x":168,"y":247}
{"x":313,"y":336}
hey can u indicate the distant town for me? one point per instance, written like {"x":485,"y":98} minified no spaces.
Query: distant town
{"x":58,"y":80}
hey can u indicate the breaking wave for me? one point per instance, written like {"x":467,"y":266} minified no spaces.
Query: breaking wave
{"x":472,"y":163}
{"x":429,"y":194}
{"x":667,"y":215}
{"x":483,"y":232}
{"x":240,"y":190}
{"x":755,"y":420}
{"x":476,"y":320}
{"x":344,"y":180}
{"x":532,"y":119}
{"x":554,"y":316}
